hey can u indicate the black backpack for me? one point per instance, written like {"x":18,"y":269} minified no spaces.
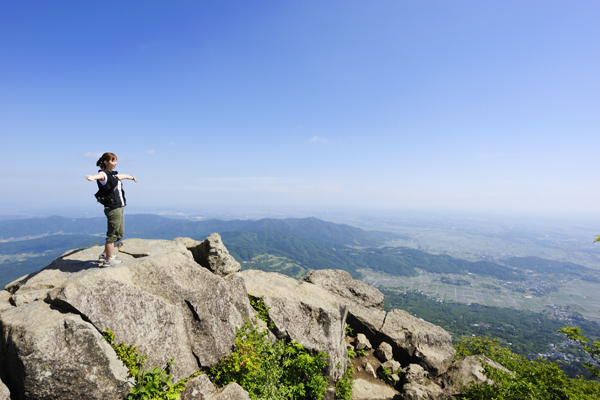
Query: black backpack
{"x":107,"y":194}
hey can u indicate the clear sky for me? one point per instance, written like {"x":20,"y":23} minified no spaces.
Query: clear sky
{"x":431,"y":105}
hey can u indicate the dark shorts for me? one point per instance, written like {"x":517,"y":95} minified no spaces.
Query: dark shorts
{"x":116,"y":224}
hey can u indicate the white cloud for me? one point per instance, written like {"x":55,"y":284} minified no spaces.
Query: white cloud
{"x":89,"y":154}
{"x":151,"y":151}
{"x":318,"y":139}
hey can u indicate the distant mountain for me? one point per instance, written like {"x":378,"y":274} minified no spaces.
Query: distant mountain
{"x":316,"y":254}
{"x":150,"y":226}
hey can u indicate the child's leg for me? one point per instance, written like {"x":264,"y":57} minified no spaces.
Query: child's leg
{"x":109,"y":247}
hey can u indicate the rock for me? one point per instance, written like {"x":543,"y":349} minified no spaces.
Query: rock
{"x":139,"y":248}
{"x":4,"y":392}
{"x":418,"y":341}
{"x":395,"y":378}
{"x":414,"y":373}
{"x":342,"y":284}
{"x":201,"y":388}
{"x":198,"y":388}
{"x":369,"y":369}
{"x":5,"y":300}
{"x":166,"y":304}
{"x":366,"y":320}
{"x":469,"y":370}
{"x":241,"y":309}
{"x":53,"y":354}
{"x":303,"y":312}
{"x":232,"y":391}
{"x":366,"y":313}
{"x":361,"y":342}
{"x":414,"y":391}
{"x":384,"y":352}
{"x":158,"y":298}
{"x":212,"y":254}
{"x":430,"y":391}
{"x":365,"y":390}
{"x":392,"y":366}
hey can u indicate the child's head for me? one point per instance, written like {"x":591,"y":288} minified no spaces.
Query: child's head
{"x":105,"y":157}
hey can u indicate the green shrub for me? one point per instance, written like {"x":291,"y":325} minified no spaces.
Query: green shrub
{"x":153,"y":384}
{"x":537,"y":379}
{"x":343,"y":387}
{"x":271,"y":370}
{"x":262,"y":310}
{"x":351,"y":354}
{"x":349,"y":331}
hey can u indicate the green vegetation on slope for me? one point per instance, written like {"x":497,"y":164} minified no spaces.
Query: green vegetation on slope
{"x":316,"y":254}
{"x":537,"y":379}
{"x":529,"y":332}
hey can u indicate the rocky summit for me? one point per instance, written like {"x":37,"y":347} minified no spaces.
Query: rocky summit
{"x":184,"y":299}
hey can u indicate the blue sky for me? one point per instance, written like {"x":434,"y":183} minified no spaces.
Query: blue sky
{"x":431,"y":105}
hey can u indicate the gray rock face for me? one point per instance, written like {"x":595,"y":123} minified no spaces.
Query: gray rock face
{"x":201,"y":388}
{"x":241,"y":309}
{"x":4,"y":392}
{"x":342,"y":284}
{"x":415,"y":374}
{"x":361,"y":342}
{"x":158,"y":298}
{"x":369,"y":369}
{"x":365,"y":390}
{"x":469,"y":370}
{"x":232,"y":391}
{"x":198,"y":388}
{"x":392,"y":366}
{"x":384,"y":352}
{"x":51,"y":354}
{"x":419,"y":341}
{"x":304,"y":313}
{"x":213,"y":255}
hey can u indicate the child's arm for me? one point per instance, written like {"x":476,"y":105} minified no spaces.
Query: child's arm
{"x":123,"y":176}
{"x":97,"y":177}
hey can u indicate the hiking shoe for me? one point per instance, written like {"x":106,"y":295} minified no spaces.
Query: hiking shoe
{"x":111,"y":263}
{"x":103,"y":257}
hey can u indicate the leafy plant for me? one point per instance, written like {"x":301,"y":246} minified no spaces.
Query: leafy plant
{"x":592,"y":350}
{"x":351,"y":354}
{"x":153,"y":384}
{"x":269,"y":370}
{"x":361,"y":353}
{"x":262,"y":310}
{"x":343,"y":387}
{"x":349,"y":331}
{"x":386,"y":374}
{"x":537,"y":379}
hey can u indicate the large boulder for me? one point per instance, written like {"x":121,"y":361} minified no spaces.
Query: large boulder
{"x":201,"y":388}
{"x":342,"y":284}
{"x":303,"y":312}
{"x":469,"y":370}
{"x":4,"y":392}
{"x":365,"y":313}
{"x":212,"y":254}
{"x":418,"y":341}
{"x":372,"y":390}
{"x":158,"y":298}
{"x":52,"y":354}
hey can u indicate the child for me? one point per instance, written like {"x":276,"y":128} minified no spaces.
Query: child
{"x":111,"y":194}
